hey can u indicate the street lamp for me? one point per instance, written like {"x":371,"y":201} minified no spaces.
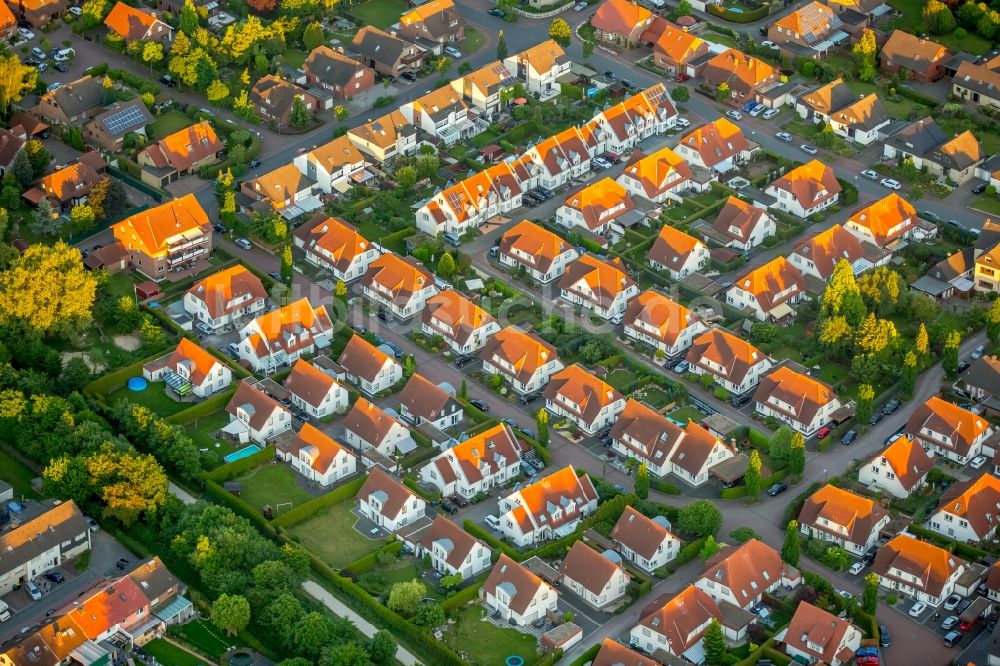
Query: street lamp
{"x":824,"y":476}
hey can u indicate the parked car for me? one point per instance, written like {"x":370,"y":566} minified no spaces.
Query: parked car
{"x":823,"y":432}
{"x":452,"y":52}
{"x":628,"y":85}
{"x":951,"y":638}
{"x":681,"y":367}
{"x":870,"y":174}
{"x":806,"y":148}
{"x":496,"y":11}
{"x":276,"y":276}
{"x":94,"y":527}
{"x":857,"y":568}
{"x":234,"y":349}
{"x":916,"y":609}
{"x":965,"y":603}
{"x":735,"y":115}
{"x":55,"y":576}
{"x":776,"y":489}
{"x":979,"y":188}
{"x":978,"y":352}
{"x":479,"y":404}
{"x":891,"y":406}
{"x":890,"y":183}
{"x":876,"y":417}
{"x":868,"y":660}
{"x":32,"y":590}
{"x":682,"y":122}
{"x":529,"y":397}
{"x":396,"y":350}
{"x":847,"y":439}
{"x":784,"y":136}
{"x":770,"y":113}
{"x":255,"y":163}
{"x":866,"y":652}
{"x":977,"y":462}
{"x":601,"y":163}
{"x":244,"y":243}
{"x":203,"y":328}
{"x":614,"y":158}
{"x":168,"y":81}
{"x":62,"y":66}
{"x":408,"y":76}
{"x":122,"y":564}
{"x":76,"y":11}
{"x":884,"y":637}
{"x":952,"y":602}
{"x":757,"y":110}
{"x":25,"y":33}
{"x":493,"y":522}
{"x":580,"y":6}
{"x":949,"y":622}
{"x":843,"y":594}
{"x":930,"y":215}
{"x":963,"y":366}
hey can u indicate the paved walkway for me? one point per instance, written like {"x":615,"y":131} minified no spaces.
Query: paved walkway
{"x":181,"y":494}
{"x":318,"y":592}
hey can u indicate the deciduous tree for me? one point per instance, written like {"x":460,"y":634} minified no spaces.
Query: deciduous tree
{"x":404,"y":597}
{"x":300,"y":114}
{"x":81,"y":217}
{"x":949,"y":358}
{"x":382,"y":648}
{"x":790,"y":549}
{"x":542,"y":421}
{"x":922,"y":344}
{"x":864,"y":52}
{"x":287,"y":271}
{"x":152,"y":53}
{"x":866,"y":394}
{"x":16,"y":79}
{"x":938,"y":18}
{"x":993,"y":322}
{"x":38,"y":157}
{"x":231,"y":612}
{"x":560,"y":32}
{"x":797,"y":457}
{"x":908,"y":373}
{"x":46,"y":290}
{"x":188,"y":20}
{"x":869,"y":599}
{"x":699,"y":518}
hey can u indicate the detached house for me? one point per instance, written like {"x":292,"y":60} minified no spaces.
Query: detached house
{"x":616,"y":654}
{"x":858,"y":119}
{"x":436,"y":22}
{"x":422,"y":402}
{"x":841,"y":517}
{"x":334,"y":71}
{"x":136,"y":25}
{"x":335,"y":166}
{"x":477,"y":465}
{"x":38,"y":13}
{"x":543,"y":254}
{"x":803,"y":402}
{"x":465,"y":326}
{"x":593,"y":576}
{"x":948,"y":430}
{"x":386,"y":53}
{"x":661,"y":322}
{"x":968,"y":510}
{"x":621,"y":22}
{"x":677,"y":253}
{"x":741,"y":575}
{"x":274,"y":98}
{"x":368,"y":427}
{"x":745,"y":75}
{"x":560,"y":157}
{"x":899,"y":469}
{"x":386,"y":138}
{"x":977,"y":82}
{"x":659,"y":177}
{"x":678,"y":626}
{"x":597,"y":208}
{"x":68,"y":186}
{"x":982,"y":381}
{"x":645,"y":542}
{"x":453,"y":551}
{"x":108,"y":129}
{"x":923,"y":59}
{"x":388,"y":503}
{"x":369,"y":368}
{"x":986,"y":271}
{"x":601,"y":286}
{"x":167,"y":238}
{"x":189,"y":369}
{"x":814,"y":634}
{"x":282,"y":336}
{"x":719,"y":145}
{"x":72,"y":103}
{"x":399,"y":285}
{"x":768,"y":292}
{"x":583,"y":399}
{"x":917,"y":569}
{"x":819,"y":254}
{"x":550,"y":507}
{"x":810,"y":31}
{"x":675,"y":48}
{"x":335,"y":245}
{"x":255,"y":415}
{"x":687,"y":452}
{"x":314,"y":392}
{"x":884,"y":222}
{"x":517,"y":595}
{"x":539,"y":68}
{"x":743,"y":226}
{"x":12,"y":141}
{"x":318,"y":458}
{"x":179,"y":154}
{"x":735,"y":364}
{"x":525,"y":361}
{"x":806,"y":189}
{"x":224,"y":297}
{"x":472,"y":202}
{"x":928,"y":145}
{"x":285,"y":190}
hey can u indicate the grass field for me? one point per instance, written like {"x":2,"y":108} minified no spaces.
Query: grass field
{"x":201,"y":432}
{"x":168,"y":123}
{"x":17,"y":475}
{"x":330,"y":535}
{"x":990,"y":141}
{"x":379,"y":13}
{"x":474,"y":40}
{"x":483,"y":643}
{"x":685,"y":414}
{"x":154,"y":396}
{"x":274,"y":485}
{"x":206,"y":638}
{"x":170,"y":655}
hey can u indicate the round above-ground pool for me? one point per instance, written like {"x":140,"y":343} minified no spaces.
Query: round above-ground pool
{"x":137,"y":384}
{"x":514,"y":660}
{"x":240,"y":658}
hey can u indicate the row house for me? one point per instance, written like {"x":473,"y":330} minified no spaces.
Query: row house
{"x":368,"y":367}
{"x":422,"y":402}
{"x":719,"y":145}
{"x":593,"y":576}
{"x":899,"y":469}
{"x":917,"y":569}
{"x":560,"y":158}
{"x":637,"y":118}
{"x":314,"y":392}
{"x":465,"y":326}
{"x":658,"y":177}
{"x":584,"y":399}
{"x":452,"y":550}
{"x":816,"y":635}
{"x":948,"y":430}
{"x":472,"y":202}
{"x":598,"y":208}
{"x":280,"y":337}
{"x":735,"y":364}
{"x":977,"y":82}
{"x":388,"y":503}
{"x":986,"y":270}
{"x":884,"y":222}
{"x":803,"y":402}
{"x":318,"y":458}
{"x":662,"y":322}
{"x":646,"y":542}
{"x":525,"y":362}
{"x":366,"y":427}
{"x":742,"y":575}
{"x":386,"y":138}
{"x":518,"y":596}
{"x":743,"y":226}
{"x":819,"y":254}
{"x":254,"y":415}
{"x":436,"y":22}
{"x":548,"y":508}
{"x":225,"y":297}
{"x":539,"y":68}
{"x":484,"y":88}
{"x":677,"y":253}
{"x":189,"y":369}
{"x":857,"y":119}
{"x":42,"y":543}
{"x":331,"y":243}
{"x":969,"y":511}
{"x":600,"y":286}
{"x":477,"y":465}
{"x":841,"y":517}
{"x":982,"y":382}
{"x":806,"y":189}
{"x":400,"y":285}
{"x":542,"y":254}
{"x":166,"y":238}
{"x":442,"y":113}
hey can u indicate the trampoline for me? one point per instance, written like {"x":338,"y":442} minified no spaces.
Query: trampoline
{"x":241,"y":658}
{"x":514,"y":660}
{"x":245,"y":452}
{"x":137,"y":384}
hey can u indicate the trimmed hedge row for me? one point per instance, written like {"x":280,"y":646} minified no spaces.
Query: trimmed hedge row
{"x":461,"y":597}
{"x":587,"y":656}
{"x":239,"y":372}
{"x":664,"y":487}
{"x":101,"y":386}
{"x":203,"y":408}
{"x":686,"y":554}
{"x":230,"y":471}
{"x":239,"y":506}
{"x":766,"y":650}
{"x":368,"y":562}
{"x":744,"y":17}
{"x":412,"y":484}
{"x":167,"y":322}
{"x":483,"y":535}
{"x":305,"y":511}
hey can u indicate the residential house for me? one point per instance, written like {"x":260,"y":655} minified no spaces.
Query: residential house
{"x":12,"y":142}
{"x":688,"y":452}
{"x":314,"y":392}
{"x":280,"y":337}
{"x":806,"y":189}
{"x":332,"y":70}
{"x":621,"y":22}
{"x":331,"y":243}
{"x":541,"y":253}
{"x":850,"y":521}
{"x":72,"y":103}
{"x":917,"y":569}
{"x":549,"y":507}
{"x":137,"y":25}
{"x":335,"y":166}
{"x":525,"y":361}
{"x":369,"y":368}
{"x":117,"y":606}
{"x":883,"y":223}
{"x":224,"y":297}
{"x":441,"y":113}
{"x":479,"y":464}
{"x":923,"y":60}
{"x":768,"y":292}
{"x":518,"y":596}
{"x":436,"y":22}
{"x":594,"y":576}
{"x":398,"y":284}
{"x":743,"y":226}
{"x":948,"y":430}
{"x":388,"y":503}
{"x":179,"y":154}
{"x":368,"y":427}
{"x":539,"y":68}
{"x":978,"y":82}
{"x":37,"y":13}
{"x":678,"y":626}
{"x":597,"y":208}
{"x":636,"y":118}
{"x":645,"y":542}
{"x":659,"y":177}
{"x":465,"y":326}
{"x":600,"y":286}
{"x":560,"y":157}
{"x":662,"y":322}
{"x":255,"y":415}
{"x":899,"y":469}
{"x":385,"y":138}
{"x":583,"y":399}
{"x":982,"y":381}
{"x":42,"y":543}
{"x":317,"y":457}
{"x":742,"y":575}
{"x":422,"y":401}
{"x":819,"y":254}
{"x":986,"y":272}
{"x":677,"y":253}
{"x":453,"y":551}
{"x":281,"y":190}
{"x":470,"y":203}
{"x":107,"y":130}
{"x":273,"y":99}
{"x":483,"y":87}
{"x":803,"y":402}
{"x":859,"y":119}
{"x":71,"y":185}
{"x":955,"y":157}
{"x":719,"y":145}
{"x":968,"y":510}
{"x":616,"y":654}
{"x":386,"y":53}
{"x":166,"y":238}
{"x":815,"y":635}
{"x":189,"y":369}
{"x":810,"y":31}
{"x":675,"y":48}
{"x":735,"y":364}
{"x":745,"y":75}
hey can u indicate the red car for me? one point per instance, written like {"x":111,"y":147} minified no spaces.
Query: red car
{"x":867,"y":661}
{"x":681,"y":78}
{"x":823,"y":432}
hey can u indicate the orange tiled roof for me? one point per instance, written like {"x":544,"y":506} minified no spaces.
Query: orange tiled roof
{"x":810,"y":184}
{"x":659,"y":171}
{"x":640,"y":534}
{"x":813,"y":21}
{"x":200,"y":363}
{"x":747,"y":570}
{"x":812,"y":628}
{"x":524,"y":352}
{"x":322,"y":449}
{"x":806,"y":395}
{"x":545,"y":495}
{"x":458,"y":314}
{"x":426,"y":10}
{"x":401,"y":277}
{"x":362,"y":359}
{"x":605,"y":279}
{"x":858,"y":515}
{"x":541,"y":246}
{"x":907,"y":50}
{"x":115,"y":603}
{"x":684,"y":618}
{"x":587,"y":392}
{"x":517,"y":577}
{"x":336,"y":154}
{"x":280,"y":185}
{"x":735,"y":355}
{"x":738,"y":216}
{"x":908,"y":461}
{"x":281,"y":327}
{"x":129,"y":22}
{"x":828,"y":247}
{"x":620,"y":16}
{"x":651,"y":105}
{"x":185,"y":147}
{"x":337,"y":241}
{"x":931,"y":565}
{"x":544,"y":56}
{"x":219,"y":290}
{"x":883,"y":216}
{"x":592,"y":570}
{"x":384,"y":131}
{"x":309,"y":383}
{"x":976,"y":500}
{"x":71,"y":182}
{"x":485,"y":453}
{"x":7,"y":19}
{"x":668,"y":316}
{"x":716,"y":142}
{"x":616,"y":654}
{"x":601,"y":202}
{"x":774,"y":283}
{"x":678,"y":44}
{"x":742,"y":72}
{"x":940,"y":416}
{"x":395,"y":494}
{"x":672,"y":247}
{"x":149,"y":230}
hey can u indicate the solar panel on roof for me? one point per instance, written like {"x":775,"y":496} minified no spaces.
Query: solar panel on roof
{"x":127,"y":118}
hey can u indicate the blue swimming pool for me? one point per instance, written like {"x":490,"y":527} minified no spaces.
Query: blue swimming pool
{"x":735,"y":10}
{"x":242,"y":453}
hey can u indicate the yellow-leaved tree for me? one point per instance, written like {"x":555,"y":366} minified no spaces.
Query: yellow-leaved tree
{"x":47,"y":291}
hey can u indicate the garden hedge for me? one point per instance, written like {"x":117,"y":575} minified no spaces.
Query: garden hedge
{"x":483,"y":535}
{"x":104,"y":385}
{"x":166,"y":321}
{"x":203,"y":408}
{"x":461,"y":597}
{"x":914,"y":96}
{"x":587,"y":656}
{"x":766,"y":650}
{"x":240,"y":507}
{"x":230,"y":471}
{"x":686,"y":554}
{"x":749,"y":16}
{"x":412,"y":484}
{"x":368,"y":562}
{"x":305,"y":511}
{"x":664,"y":486}
{"x":239,"y":372}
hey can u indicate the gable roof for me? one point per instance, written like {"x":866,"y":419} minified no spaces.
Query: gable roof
{"x":423,"y":398}
{"x":649,"y":106}
{"x":335,"y":155}
{"x":829,"y":97}
{"x":559,"y":151}
{"x":335,"y":240}
{"x":747,"y":570}
{"x":804,"y":394}
{"x":543,"y":56}
{"x":658,"y":172}
{"x":666,"y":315}
{"x":517,"y":582}
{"x":220,"y":289}
{"x":275,"y":94}
{"x":320,"y":447}
{"x":129,"y":22}
{"x":858,"y":515}
{"x":592,"y":570}
{"x":742,"y":72}
{"x":673,"y":247}
{"x":940,"y":416}
{"x":369,"y":422}
{"x":185,"y":147}
{"x":678,"y":44}
{"x":309,"y":383}
{"x":553,"y":492}
{"x":532,"y":245}
{"x":588,"y":393}
{"x":680,"y":619}
{"x":826,"y":248}
{"x":605,"y":279}
{"x":121,"y":118}
{"x":958,"y":152}
{"x":882,"y":216}
{"x":976,"y":500}
{"x":78,"y":96}
{"x":456,"y":313}
{"x":985,"y":374}
{"x":735,"y":355}
{"x":283,"y":328}
{"x":616,"y":654}
{"x":774,"y":283}
{"x":620,"y":16}
{"x":907,"y":50}
{"x":392,"y":494}
{"x":383,"y":132}
{"x":362,"y":359}
{"x":738,"y":215}
{"x":397,"y":276}
{"x":640,"y":534}
{"x":258,"y":405}
{"x":34,"y":537}
{"x":331,"y":67}
{"x":279,"y":185}
{"x":379,"y":45}
{"x":907,"y":459}
{"x":438,"y":17}
{"x":600,"y":202}
{"x":524,"y":352}
{"x":812,"y":626}
{"x":716,"y":141}
{"x":456,"y":542}
{"x":482,"y":455}
{"x":148,"y":231}
{"x":811,"y":23}
{"x":70,"y":182}
{"x":115,"y":603}
{"x":439,"y":103}
{"x":931,"y":565}
{"x":809,"y":184}
{"x":199,"y":362}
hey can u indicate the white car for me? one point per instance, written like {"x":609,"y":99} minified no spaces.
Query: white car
{"x":60,"y":57}
{"x":916,"y":609}
{"x":453,"y":52}
{"x":25,"y":33}
{"x":952,"y":602}
{"x":770,"y":113}
{"x":493,"y":522}
{"x":977,"y":462}
{"x":617,"y":319}
{"x":735,"y":115}
{"x":76,"y":11}
{"x":890,"y":183}
{"x":38,"y":53}
{"x":870,"y":174}
{"x":784,"y":136}
{"x":579,"y":7}
{"x":768,"y":44}
{"x":857,"y":568}
{"x":978,"y":352}
{"x":757,"y":110}
{"x":806,"y":148}
{"x":682,"y":122}
{"x":601,"y":163}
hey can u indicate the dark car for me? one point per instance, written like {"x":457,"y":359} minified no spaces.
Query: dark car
{"x":610,"y":76}
{"x":462,"y":361}
{"x":530,"y":397}
{"x":460,"y":501}
{"x":276,"y":276}
{"x":55,"y":576}
{"x":408,"y":76}
{"x":396,"y":350}
{"x":963,"y":366}
{"x":628,"y":85}
{"x":168,"y":81}
{"x":876,"y":417}
{"x":121,"y":564}
{"x":220,"y":229}
{"x":979,"y":188}
{"x":254,"y":164}
{"x":479,"y":404}
{"x":448,"y":507}
{"x":891,"y":406}
{"x":62,"y":67}
{"x":849,"y":437}
{"x":776,"y":489}
{"x":383,"y":315}
{"x":496,"y":11}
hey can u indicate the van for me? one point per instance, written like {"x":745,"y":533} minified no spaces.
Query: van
{"x":4,"y":611}
{"x":452,"y":239}
{"x":33,"y":590}
{"x":493,"y":522}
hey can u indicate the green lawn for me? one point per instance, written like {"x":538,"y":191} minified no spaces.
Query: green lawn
{"x":201,"y":431}
{"x":989,"y":140}
{"x":831,"y":373}
{"x":898,"y":107}
{"x":153,"y":396}
{"x":330,"y":535}
{"x":168,"y":123}
{"x":715,"y":37}
{"x":274,"y":485}
{"x":380,"y":13}
{"x":17,"y":475}
{"x":294,"y":57}
{"x":911,"y":20}
{"x":620,"y":378}
{"x":481,"y":642}
{"x":170,"y":655}
{"x":685,"y":414}
{"x":474,"y":40}
{"x":206,"y":638}
{"x":986,"y":204}
{"x":972,"y":43}
{"x":652,"y":396}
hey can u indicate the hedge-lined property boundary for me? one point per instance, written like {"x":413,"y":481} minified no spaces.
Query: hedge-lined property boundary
{"x":230,"y":471}
{"x":748,"y":16}
{"x":461,"y":597}
{"x":369,"y":561}
{"x":306,"y":510}
{"x":204,"y":408}
{"x":104,"y":385}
